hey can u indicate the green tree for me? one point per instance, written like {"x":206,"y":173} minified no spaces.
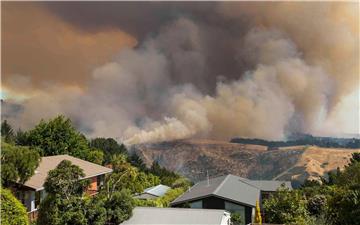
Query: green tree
{"x":18,"y":163}
{"x":167,"y":177}
{"x":316,"y":205}
{"x":58,"y":136}
{"x":123,"y":176}
{"x":136,"y":161}
{"x":119,"y":207}
{"x":64,"y":203}
{"x":355,"y":158}
{"x":66,"y":180}
{"x":169,"y":196}
{"x":95,"y":156}
{"x":21,"y":138}
{"x":286,"y":207}
{"x":95,"y":210}
{"x":12,"y":211}
{"x":109,"y":146}
{"x":7,"y":132}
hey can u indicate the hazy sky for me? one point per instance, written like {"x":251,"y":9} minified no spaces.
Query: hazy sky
{"x":157,"y":71}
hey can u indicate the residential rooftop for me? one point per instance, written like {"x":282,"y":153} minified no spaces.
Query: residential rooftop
{"x":48,"y":163}
{"x":153,"y":215}
{"x":230,"y":187}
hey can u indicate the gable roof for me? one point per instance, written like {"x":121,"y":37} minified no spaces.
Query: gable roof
{"x":158,"y":190}
{"x":228,"y":187}
{"x":157,"y":216}
{"x":48,"y":163}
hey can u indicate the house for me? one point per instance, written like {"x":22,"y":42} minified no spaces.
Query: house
{"x":153,"y":192}
{"x":229,"y":192}
{"x":32,"y":192}
{"x":166,"y":216}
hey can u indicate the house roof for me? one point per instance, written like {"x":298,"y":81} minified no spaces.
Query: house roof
{"x":158,"y":190}
{"x":228,"y":187}
{"x":50,"y":162}
{"x":233,"y":188}
{"x":157,"y":216}
{"x":269,"y":185}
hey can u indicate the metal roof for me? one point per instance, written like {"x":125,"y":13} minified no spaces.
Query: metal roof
{"x":48,"y":163}
{"x":166,"y":216}
{"x":269,"y":185}
{"x":230,"y":187}
{"x":158,"y":190}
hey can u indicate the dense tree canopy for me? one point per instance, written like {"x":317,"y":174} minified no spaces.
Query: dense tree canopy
{"x":66,"y":180}
{"x":109,"y":146}
{"x":67,"y":204}
{"x":57,"y":137}
{"x":18,"y":163}
{"x":12,"y":211}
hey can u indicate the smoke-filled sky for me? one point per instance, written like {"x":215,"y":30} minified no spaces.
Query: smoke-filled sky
{"x":155,"y":71}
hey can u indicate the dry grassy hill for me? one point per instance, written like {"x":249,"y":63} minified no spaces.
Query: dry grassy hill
{"x":193,"y":158}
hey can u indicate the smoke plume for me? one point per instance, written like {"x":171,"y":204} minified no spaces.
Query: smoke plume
{"x":261,"y":70}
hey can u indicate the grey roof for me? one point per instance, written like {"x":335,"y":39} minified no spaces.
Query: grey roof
{"x":158,"y":190}
{"x":48,"y":163}
{"x":269,"y":185}
{"x":166,"y":216}
{"x":234,"y":188}
{"x":229,"y":187}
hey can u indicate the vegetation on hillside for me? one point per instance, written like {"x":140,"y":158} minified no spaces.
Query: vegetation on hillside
{"x":333,"y":201}
{"x":326,"y":142}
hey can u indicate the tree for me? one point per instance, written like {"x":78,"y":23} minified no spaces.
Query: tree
{"x":58,"y":136}
{"x":136,"y":161}
{"x":65,"y":180}
{"x":167,"y":177}
{"x":64,"y":203}
{"x":7,"y":132}
{"x":95,"y":210}
{"x":286,"y":207}
{"x":95,"y":156}
{"x":123,"y":176}
{"x":355,"y":158}
{"x":109,"y":146}
{"x":119,"y":207}
{"x":12,"y":211}
{"x":18,"y":163}
{"x":182,"y":182}
{"x":316,"y":205}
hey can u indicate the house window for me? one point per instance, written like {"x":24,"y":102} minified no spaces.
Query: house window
{"x":39,"y":196}
{"x":37,"y":199}
{"x":100,"y":181}
{"x":196,"y":205}
{"x":235,"y":208}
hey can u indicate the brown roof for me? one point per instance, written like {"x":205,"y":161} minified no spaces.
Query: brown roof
{"x":50,"y":162}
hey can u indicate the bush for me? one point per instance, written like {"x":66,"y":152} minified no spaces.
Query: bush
{"x":12,"y":211}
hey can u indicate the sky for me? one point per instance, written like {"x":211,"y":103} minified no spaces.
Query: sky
{"x":155,"y":71}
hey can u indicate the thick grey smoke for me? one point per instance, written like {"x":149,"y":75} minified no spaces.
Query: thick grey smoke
{"x":269,"y":73}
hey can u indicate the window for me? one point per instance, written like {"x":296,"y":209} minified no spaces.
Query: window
{"x":235,"y":208}
{"x":100,"y":181}
{"x":37,"y":199}
{"x":196,"y":205}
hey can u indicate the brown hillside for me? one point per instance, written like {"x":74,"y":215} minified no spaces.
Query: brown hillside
{"x":193,"y":158}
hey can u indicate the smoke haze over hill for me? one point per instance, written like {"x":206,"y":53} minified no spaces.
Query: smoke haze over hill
{"x":217,"y":70}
